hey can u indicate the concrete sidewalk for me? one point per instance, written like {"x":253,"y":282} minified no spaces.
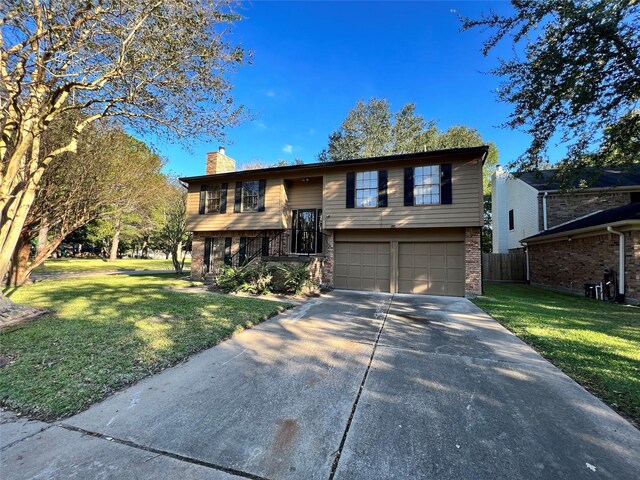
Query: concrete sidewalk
{"x":349,"y":385}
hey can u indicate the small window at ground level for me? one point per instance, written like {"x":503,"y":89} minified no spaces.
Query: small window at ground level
{"x":217,"y":250}
{"x":511,"y":224}
{"x":367,"y":189}
{"x":426,"y":190}
{"x":635,"y":197}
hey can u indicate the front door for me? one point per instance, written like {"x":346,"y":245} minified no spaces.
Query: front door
{"x":306,"y":227}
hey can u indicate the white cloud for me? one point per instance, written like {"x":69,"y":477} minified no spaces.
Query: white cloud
{"x":271,"y":93}
{"x":287,"y":149}
{"x":312,"y":131}
{"x":260,"y":125}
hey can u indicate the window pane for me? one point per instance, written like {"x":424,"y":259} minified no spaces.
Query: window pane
{"x":426,"y":189}
{"x":367,"y":189}
{"x":250,"y":192}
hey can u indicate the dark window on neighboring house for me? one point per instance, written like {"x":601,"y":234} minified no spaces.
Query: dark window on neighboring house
{"x":635,"y":197}
{"x":511,"y":224}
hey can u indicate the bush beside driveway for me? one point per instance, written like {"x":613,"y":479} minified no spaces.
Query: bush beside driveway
{"x":107,"y":332}
{"x":596,"y":343}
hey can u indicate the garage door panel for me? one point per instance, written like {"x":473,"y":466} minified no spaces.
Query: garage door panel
{"x":362,"y":266}
{"x":437,"y":270}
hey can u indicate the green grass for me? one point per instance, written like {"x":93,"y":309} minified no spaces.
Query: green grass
{"x":596,"y":343}
{"x":78,"y":265}
{"x":106,"y":332}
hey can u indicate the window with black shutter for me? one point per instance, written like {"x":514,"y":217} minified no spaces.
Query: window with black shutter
{"x":213,"y":198}
{"x":511,"y":222}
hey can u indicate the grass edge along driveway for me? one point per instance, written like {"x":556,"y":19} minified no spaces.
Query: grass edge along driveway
{"x":107,"y":332}
{"x":596,"y":343}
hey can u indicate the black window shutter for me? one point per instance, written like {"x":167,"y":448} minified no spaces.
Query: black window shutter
{"x":262,"y":187}
{"x":203,"y":198}
{"x":207,"y":253}
{"x":408,"y":186}
{"x":446,"y":194}
{"x":382,"y":188}
{"x":351,"y":189}
{"x":223,"y":198}
{"x":238,"y":198}
{"x":227,"y":251}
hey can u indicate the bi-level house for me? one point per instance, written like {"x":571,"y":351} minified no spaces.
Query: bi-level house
{"x":403,"y":223}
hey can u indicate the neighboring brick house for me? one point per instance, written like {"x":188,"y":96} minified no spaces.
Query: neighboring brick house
{"x":527,"y":203}
{"x":578,"y":252}
{"x":402,"y":223}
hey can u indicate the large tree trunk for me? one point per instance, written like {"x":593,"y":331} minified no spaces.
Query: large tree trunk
{"x":19,"y":273}
{"x":14,"y":208}
{"x":115,"y":241}
{"x":43,"y":235}
{"x":175,"y":258}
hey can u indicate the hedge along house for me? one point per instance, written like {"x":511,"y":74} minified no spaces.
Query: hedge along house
{"x":404,"y":223}
{"x":578,"y":252}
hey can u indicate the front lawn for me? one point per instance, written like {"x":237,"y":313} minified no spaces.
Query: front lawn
{"x":596,"y":343}
{"x":80,"y":265}
{"x":106,"y":332}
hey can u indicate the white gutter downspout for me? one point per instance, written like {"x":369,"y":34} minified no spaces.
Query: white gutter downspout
{"x":621,"y":266}
{"x":544,"y":211}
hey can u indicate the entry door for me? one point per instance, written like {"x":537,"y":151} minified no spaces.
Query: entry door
{"x":306,"y":225}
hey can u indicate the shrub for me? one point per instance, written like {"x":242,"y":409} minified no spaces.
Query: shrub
{"x":290,"y":278}
{"x":261,"y":279}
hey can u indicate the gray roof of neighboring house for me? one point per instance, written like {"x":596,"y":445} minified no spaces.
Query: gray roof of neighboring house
{"x":604,"y":217}
{"x":595,"y":177}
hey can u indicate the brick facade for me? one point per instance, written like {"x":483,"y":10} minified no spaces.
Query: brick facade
{"x":327,"y":268}
{"x":562,"y":208}
{"x":473,"y":261}
{"x":568,"y":265}
{"x":197,"y":247}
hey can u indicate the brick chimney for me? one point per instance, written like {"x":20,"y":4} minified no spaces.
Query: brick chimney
{"x":218,"y":162}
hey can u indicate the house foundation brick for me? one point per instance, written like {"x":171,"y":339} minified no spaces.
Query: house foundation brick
{"x":568,"y":265}
{"x":327,"y":267}
{"x":473,"y":261}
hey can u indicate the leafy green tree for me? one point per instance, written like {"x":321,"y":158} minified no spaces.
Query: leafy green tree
{"x":110,"y":176}
{"x":157,"y":65}
{"x":575,"y":74}
{"x":371,"y":130}
{"x":172,"y":234}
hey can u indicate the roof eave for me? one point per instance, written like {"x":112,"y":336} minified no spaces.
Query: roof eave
{"x":481,"y":150}
{"x":579,"y":231}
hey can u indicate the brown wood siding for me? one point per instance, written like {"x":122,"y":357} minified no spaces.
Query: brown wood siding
{"x":271,"y":218}
{"x":302,"y":195}
{"x":466,"y":209}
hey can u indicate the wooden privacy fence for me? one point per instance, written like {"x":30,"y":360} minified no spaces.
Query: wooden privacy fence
{"x":504,"y":267}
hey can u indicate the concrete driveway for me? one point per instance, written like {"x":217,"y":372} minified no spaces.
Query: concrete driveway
{"x":349,"y":385}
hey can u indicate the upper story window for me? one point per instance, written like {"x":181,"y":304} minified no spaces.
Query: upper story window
{"x":213,"y":198}
{"x":250,"y":196}
{"x":428,"y":185}
{"x":367,"y":189}
{"x":511,"y":220}
{"x":426,"y":189}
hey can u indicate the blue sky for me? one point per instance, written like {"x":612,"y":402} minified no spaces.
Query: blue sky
{"x":313,"y":60}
